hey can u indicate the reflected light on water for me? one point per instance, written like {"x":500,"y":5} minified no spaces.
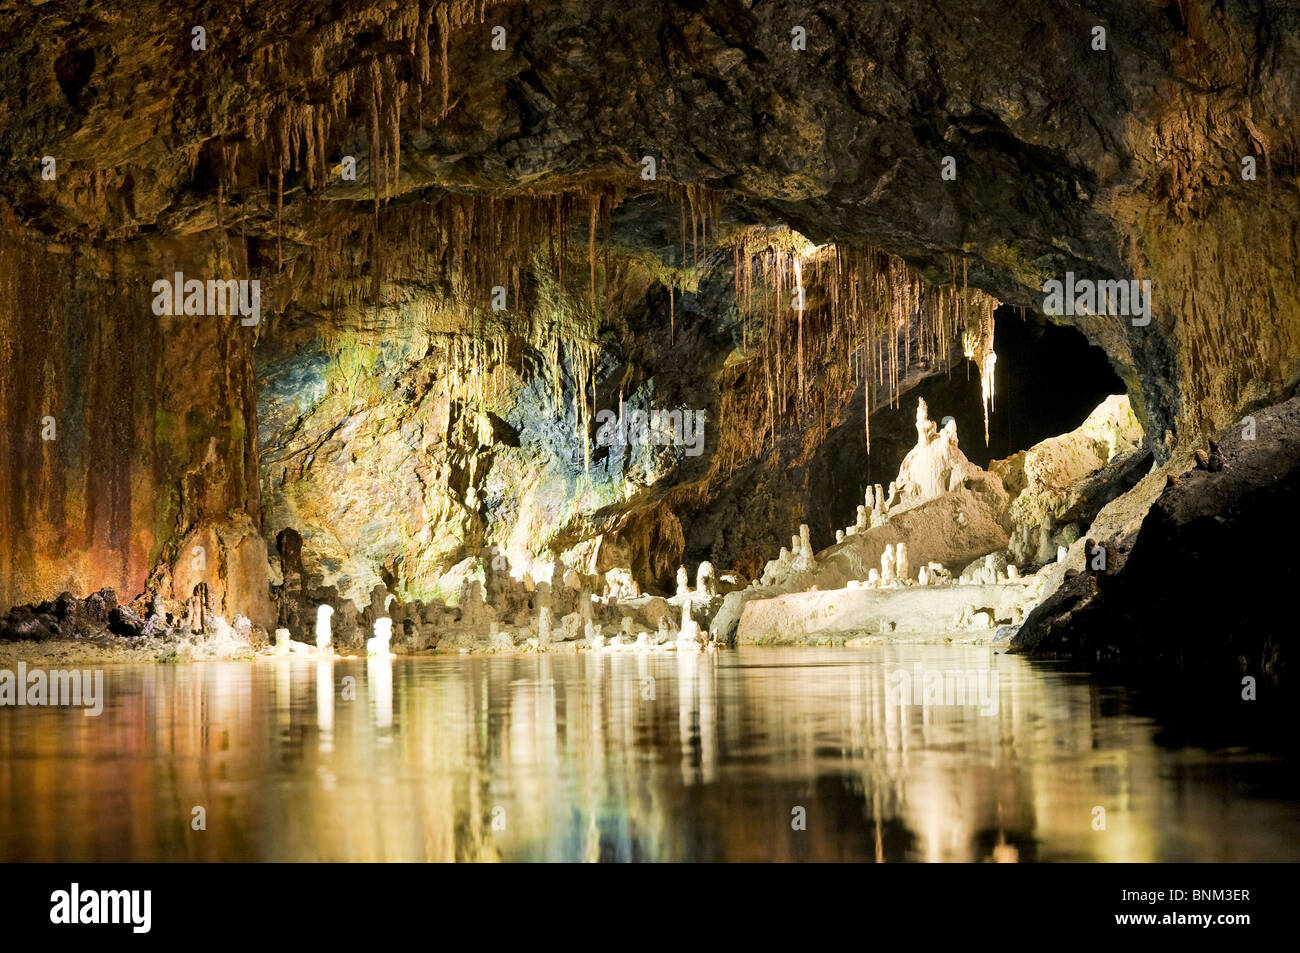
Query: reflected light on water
{"x":622,"y":756}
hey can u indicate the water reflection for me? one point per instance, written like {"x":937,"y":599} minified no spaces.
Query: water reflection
{"x":623,"y":757}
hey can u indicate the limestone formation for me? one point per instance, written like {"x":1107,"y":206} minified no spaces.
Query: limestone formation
{"x":544,"y":625}
{"x":324,"y":627}
{"x":706,"y":583}
{"x":887,"y":566}
{"x":379,"y":643}
{"x":935,"y":465}
{"x":901,"y":569}
{"x":683,"y":583}
{"x":690,"y":630}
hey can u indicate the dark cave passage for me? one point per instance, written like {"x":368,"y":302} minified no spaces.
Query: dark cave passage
{"x":1047,"y":380}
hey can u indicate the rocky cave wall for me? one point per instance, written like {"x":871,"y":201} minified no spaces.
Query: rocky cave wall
{"x":130,"y":442}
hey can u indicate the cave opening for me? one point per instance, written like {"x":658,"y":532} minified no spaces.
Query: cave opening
{"x":1048,"y":380}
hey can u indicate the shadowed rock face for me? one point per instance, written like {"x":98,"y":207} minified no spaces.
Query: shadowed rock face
{"x":1171,"y":598}
{"x":1111,"y":164}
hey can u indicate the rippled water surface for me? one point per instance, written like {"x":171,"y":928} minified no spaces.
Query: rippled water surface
{"x":629,"y":757}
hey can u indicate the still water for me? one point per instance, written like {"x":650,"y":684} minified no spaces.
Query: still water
{"x":755,"y":754}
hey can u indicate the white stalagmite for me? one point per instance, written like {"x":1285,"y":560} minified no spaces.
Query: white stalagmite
{"x":887,"y":566}
{"x":544,"y":625}
{"x":690,"y":631}
{"x":805,"y":541}
{"x":936,"y":464}
{"x":281,"y":641}
{"x":383,"y":635}
{"x":324,"y":629}
{"x":901,"y":569}
{"x":706,"y":582}
{"x":683,"y":582}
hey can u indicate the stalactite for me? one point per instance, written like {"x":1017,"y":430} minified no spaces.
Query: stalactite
{"x":672,"y":318}
{"x":869,"y":321}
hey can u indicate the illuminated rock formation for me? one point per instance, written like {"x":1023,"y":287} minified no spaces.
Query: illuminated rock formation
{"x":379,"y":643}
{"x":706,"y":583}
{"x":324,"y":628}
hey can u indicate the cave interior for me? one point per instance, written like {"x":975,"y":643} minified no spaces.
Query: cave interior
{"x":523,"y":325}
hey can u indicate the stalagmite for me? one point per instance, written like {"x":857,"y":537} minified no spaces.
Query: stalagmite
{"x":887,"y":566}
{"x":544,"y":625}
{"x":901,"y":568}
{"x":923,"y":577}
{"x":378,"y":645}
{"x":805,"y":541}
{"x":705,"y":581}
{"x":323,"y":626}
{"x":690,"y":631}
{"x":1061,"y":553}
{"x":873,"y":578}
{"x":839,"y":536}
{"x":863,"y":521}
{"x":683,"y":582}
{"x":281,"y":641}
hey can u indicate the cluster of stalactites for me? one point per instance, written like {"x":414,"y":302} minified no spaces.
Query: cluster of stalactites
{"x":856,"y":315}
{"x":977,"y":344}
{"x":297,"y":131}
